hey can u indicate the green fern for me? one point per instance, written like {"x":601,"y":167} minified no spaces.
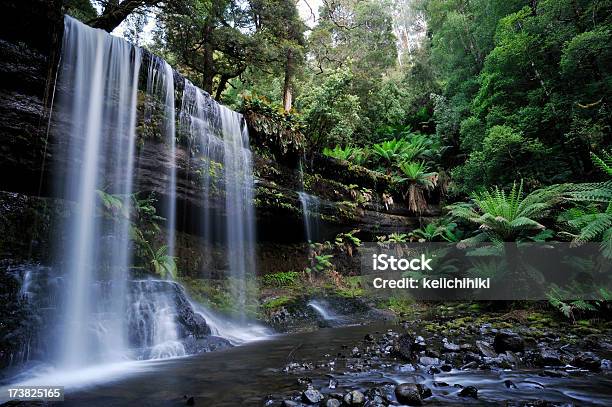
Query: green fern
{"x":355,"y":155}
{"x":604,"y":162}
{"x":588,"y":226}
{"x":506,"y":217}
{"x":162,"y":263}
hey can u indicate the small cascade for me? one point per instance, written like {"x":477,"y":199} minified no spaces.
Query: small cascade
{"x":324,"y":311}
{"x":222,"y":149}
{"x":310,"y":209}
{"x":152,"y":319}
{"x":160,"y":86}
{"x":236,"y":332}
{"x":35,"y":281}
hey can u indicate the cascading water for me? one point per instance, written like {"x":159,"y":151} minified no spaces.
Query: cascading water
{"x":310,"y":209}
{"x":323,"y":310}
{"x":152,"y":320}
{"x":98,"y":82}
{"x":93,"y":313}
{"x":222,"y":142}
{"x":160,"y":85}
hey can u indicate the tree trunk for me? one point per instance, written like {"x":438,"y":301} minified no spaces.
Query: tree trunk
{"x":221,"y":86}
{"x":208,"y":71}
{"x":287,"y":93}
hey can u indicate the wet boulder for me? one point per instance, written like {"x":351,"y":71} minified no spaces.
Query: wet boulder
{"x":547,"y":357}
{"x":312,"y":396}
{"x":333,"y":403}
{"x":403,"y":347}
{"x":485,"y":349}
{"x":508,"y":341}
{"x":469,"y":391}
{"x":449,"y":346}
{"x":354,"y":398}
{"x":587,"y":360}
{"x":427,"y":361}
{"x":408,"y":394}
{"x":419,"y":344}
{"x":208,"y":344}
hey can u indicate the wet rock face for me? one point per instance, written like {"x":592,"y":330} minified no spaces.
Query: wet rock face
{"x":148,"y":296}
{"x":30,"y":32}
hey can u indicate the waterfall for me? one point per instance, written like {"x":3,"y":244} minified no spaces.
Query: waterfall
{"x":98,"y":82}
{"x":92,"y":312}
{"x":310,"y":209}
{"x":222,"y":149}
{"x":160,"y":85}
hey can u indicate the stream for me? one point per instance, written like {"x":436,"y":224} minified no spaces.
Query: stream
{"x":255,"y":374}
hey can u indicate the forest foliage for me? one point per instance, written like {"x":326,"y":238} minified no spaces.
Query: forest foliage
{"x":500,"y":108}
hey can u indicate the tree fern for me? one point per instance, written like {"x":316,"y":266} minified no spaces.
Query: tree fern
{"x":502,"y":216}
{"x":604,"y":162}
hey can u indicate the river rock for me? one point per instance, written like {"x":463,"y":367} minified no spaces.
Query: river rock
{"x":548,"y":357}
{"x":427,"y":361}
{"x":409,"y":394}
{"x":354,"y":398}
{"x":469,"y":391}
{"x":424,"y":391}
{"x":312,"y":396}
{"x":587,"y":360}
{"x":449,"y":346}
{"x":403,"y":347}
{"x":485,"y":349}
{"x":508,"y":340}
{"x":333,"y":403}
{"x":510,"y":384}
{"x":376,"y":397}
{"x":208,"y":344}
{"x":419,"y":344}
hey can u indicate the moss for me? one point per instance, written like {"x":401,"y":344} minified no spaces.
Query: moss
{"x":400,"y":306}
{"x":352,"y":288}
{"x":216,"y":294}
{"x":347,"y":210}
{"x":273,"y":134}
{"x":277,"y":302}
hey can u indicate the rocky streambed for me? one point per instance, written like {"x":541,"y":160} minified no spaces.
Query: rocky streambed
{"x":434,"y":358}
{"x":460,"y":360}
